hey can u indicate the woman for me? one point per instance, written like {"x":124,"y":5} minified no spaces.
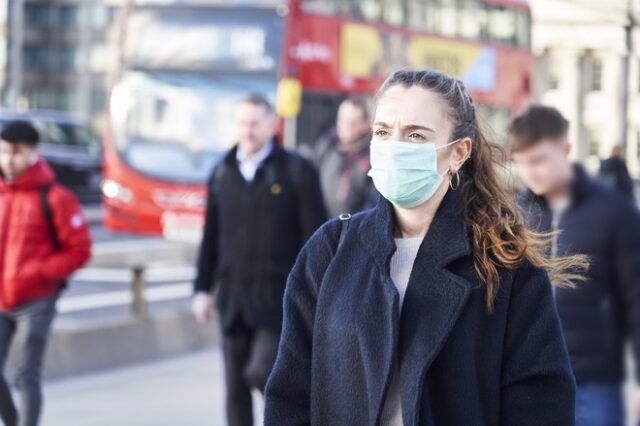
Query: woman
{"x":434,"y":308}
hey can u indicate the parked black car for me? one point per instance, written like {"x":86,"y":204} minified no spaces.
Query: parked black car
{"x":70,"y":147}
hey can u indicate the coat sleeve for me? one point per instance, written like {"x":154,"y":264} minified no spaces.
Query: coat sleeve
{"x":72,"y":232}
{"x":627,"y":258}
{"x":288,"y":391}
{"x":208,"y":254}
{"x":287,"y":395}
{"x":311,"y":203}
{"x":538,"y":386}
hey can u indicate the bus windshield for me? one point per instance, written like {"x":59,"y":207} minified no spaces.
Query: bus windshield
{"x":175,"y":127}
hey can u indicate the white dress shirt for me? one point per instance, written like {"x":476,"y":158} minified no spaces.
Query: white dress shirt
{"x":249,"y":165}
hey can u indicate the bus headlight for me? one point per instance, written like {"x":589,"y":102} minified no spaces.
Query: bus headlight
{"x":115,"y":191}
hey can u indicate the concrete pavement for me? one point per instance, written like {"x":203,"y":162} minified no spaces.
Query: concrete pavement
{"x":185,"y":391}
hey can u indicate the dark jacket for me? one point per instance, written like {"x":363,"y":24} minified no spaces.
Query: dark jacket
{"x":459,"y":365}
{"x":253,"y":233}
{"x":343,"y":178}
{"x":613,"y":173}
{"x":604,"y":311}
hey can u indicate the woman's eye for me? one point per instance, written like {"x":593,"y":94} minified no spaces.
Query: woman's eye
{"x":381,"y":132}
{"x":416,"y":136}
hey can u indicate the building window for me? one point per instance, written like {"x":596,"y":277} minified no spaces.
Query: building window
{"x":37,"y":15}
{"x":68,"y":59}
{"x":68,"y":99}
{"x":35,"y":58}
{"x":41,"y":98}
{"x":69,"y":16}
{"x":594,"y":143}
{"x":595,"y":70}
{"x":553,"y":72}
{"x":98,"y":100}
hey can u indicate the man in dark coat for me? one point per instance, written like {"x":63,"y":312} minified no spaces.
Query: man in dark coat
{"x":263,"y":204}
{"x":603,"y":313}
{"x":614,"y":173}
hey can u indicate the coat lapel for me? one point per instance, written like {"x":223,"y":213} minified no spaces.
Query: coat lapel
{"x":434,"y":300}
{"x":377,"y":317}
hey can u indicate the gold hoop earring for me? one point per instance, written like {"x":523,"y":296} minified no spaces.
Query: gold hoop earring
{"x":457,"y":176}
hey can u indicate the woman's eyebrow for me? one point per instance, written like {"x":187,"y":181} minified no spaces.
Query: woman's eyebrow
{"x":381,"y":124}
{"x":407,"y":128}
{"x":419,"y":127}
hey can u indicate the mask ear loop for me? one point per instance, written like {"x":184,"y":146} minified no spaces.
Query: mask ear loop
{"x":448,"y":171}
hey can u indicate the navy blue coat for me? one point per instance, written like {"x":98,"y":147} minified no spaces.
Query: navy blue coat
{"x":459,"y":365}
{"x":602,"y":314}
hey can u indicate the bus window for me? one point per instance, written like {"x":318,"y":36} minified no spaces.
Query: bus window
{"x":442,"y":17}
{"x":325,"y":7}
{"x":502,"y":25}
{"x":416,"y":14}
{"x":524,"y":29}
{"x":393,"y":12}
{"x":472,"y":21}
{"x":371,"y":10}
{"x":367,"y":10}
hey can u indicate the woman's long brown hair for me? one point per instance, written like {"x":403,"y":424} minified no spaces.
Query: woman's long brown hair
{"x":499,"y":236}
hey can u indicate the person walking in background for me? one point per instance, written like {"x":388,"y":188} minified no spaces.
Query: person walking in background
{"x":434,"y":308}
{"x":342,"y":157}
{"x":602,"y":313}
{"x":44,"y":238}
{"x":614,"y":173}
{"x":263,"y":204}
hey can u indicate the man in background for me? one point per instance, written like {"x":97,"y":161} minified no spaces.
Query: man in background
{"x":602,"y":313}
{"x":44,"y":238}
{"x":342,"y":157}
{"x":263,"y":204}
{"x":613,"y":172}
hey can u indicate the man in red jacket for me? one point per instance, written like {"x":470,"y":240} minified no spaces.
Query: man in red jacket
{"x":44,"y":238}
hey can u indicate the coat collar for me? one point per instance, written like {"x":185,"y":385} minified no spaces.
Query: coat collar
{"x":231,"y":157}
{"x":448,"y":230}
{"x":37,"y":176}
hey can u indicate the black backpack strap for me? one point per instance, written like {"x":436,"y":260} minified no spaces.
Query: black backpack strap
{"x":345,"y":218}
{"x":48,"y":214}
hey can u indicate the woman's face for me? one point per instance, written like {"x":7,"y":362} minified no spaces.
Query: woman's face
{"x":415,"y":115}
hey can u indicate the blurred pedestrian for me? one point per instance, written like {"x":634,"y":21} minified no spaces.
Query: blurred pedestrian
{"x":43,"y":239}
{"x":614,"y":173}
{"x":342,"y":157}
{"x":434,"y":308}
{"x":602,"y":313}
{"x":263,"y":204}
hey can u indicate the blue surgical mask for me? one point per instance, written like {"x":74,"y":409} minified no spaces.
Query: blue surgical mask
{"x":406,"y":173}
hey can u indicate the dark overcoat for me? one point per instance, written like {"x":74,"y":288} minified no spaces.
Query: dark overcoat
{"x":459,"y":365}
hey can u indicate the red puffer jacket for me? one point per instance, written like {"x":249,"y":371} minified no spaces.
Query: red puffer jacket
{"x":30,"y":267}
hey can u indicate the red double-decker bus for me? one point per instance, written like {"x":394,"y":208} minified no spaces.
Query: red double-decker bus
{"x":185,"y":63}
